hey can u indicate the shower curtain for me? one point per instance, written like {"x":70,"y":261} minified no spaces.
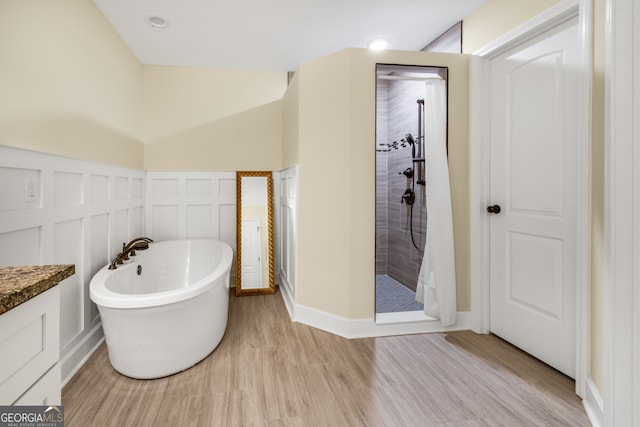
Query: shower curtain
{"x":436,"y":287}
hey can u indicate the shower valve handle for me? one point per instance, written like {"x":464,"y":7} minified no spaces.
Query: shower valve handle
{"x":409,"y":197}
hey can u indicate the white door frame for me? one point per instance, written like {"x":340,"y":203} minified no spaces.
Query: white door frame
{"x":254,"y":235}
{"x":479,"y":142}
{"x":622,"y":216}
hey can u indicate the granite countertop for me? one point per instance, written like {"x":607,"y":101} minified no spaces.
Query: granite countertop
{"x":20,"y":284}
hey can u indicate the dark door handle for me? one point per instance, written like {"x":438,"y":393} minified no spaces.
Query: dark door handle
{"x":495,"y":209}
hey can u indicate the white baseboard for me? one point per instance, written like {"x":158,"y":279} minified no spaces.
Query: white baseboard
{"x":399,"y":326}
{"x":287,"y":297}
{"x":593,"y":404}
{"x":364,"y":328}
{"x":73,"y":360}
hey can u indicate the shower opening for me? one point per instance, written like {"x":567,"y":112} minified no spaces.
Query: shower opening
{"x":401,"y":214}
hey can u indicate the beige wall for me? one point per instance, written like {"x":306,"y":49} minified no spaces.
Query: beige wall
{"x":212,"y":119}
{"x":71,"y":87}
{"x":336,"y":232}
{"x":68,"y":83}
{"x":497,"y":17}
{"x":177,"y":99}
{"x":325,"y":239}
{"x":250,"y":140}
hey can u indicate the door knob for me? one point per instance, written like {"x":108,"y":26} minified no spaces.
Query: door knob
{"x":495,"y":209}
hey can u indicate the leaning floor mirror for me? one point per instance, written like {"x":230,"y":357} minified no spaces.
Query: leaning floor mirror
{"x":254,"y":241}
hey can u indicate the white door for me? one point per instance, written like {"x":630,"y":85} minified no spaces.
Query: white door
{"x":251,"y":260}
{"x":533,"y":180}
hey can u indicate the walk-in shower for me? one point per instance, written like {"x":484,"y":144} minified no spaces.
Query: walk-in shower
{"x":401,"y":215}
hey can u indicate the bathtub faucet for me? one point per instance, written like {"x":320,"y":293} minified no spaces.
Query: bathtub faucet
{"x":129,"y":249}
{"x":139,"y":243}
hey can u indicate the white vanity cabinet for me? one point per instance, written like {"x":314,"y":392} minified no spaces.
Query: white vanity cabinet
{"x":30,"y":372}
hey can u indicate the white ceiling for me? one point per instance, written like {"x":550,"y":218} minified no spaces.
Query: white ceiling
{"x":274,"y":34}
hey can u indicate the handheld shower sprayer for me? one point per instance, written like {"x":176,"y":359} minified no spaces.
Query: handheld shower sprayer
{"x":409,"y":138}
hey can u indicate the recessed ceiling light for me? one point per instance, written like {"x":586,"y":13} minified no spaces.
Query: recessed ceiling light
{"x":156,"y":21}
{"x":379,"y":44}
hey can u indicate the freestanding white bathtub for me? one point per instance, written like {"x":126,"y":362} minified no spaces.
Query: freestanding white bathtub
{"x":166,"y":308}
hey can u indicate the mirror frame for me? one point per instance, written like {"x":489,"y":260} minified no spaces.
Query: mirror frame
{"x":271,"y":289}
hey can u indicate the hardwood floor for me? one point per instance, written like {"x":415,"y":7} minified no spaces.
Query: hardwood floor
{"x":270,"y":371}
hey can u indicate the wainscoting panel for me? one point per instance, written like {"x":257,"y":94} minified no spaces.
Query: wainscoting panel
{"x":192,"y":205}
{"x":199,"y":220}
{"x":164,"y":223}
{"x":57,"y":210}
{"x":68,"y":249}
{"x":20,"y":247}
{"x":287,"y":232}
{"x":67,"y":189}
{"x":98,"y":250}
{"x":15,"y":181}
{"x":99,"y":188}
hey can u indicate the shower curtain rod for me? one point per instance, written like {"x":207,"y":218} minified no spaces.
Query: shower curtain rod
{"x":420,"y":79}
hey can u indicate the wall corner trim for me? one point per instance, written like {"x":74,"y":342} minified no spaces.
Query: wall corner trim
{"x":287,"y":297}
{"x":80,"y":353}
{"x":593,"y":404}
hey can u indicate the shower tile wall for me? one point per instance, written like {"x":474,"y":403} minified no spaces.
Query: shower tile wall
{"x":381,"y":178}
{"x":402,"y":258}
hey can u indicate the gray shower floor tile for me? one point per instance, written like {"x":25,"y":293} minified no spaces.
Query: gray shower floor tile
{"x":392,"y":296}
